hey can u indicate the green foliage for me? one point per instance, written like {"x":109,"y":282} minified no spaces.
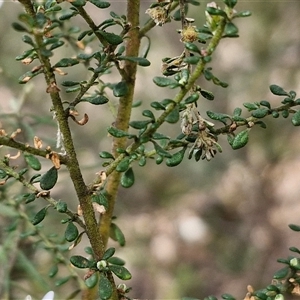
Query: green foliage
{"x":48,"y":26}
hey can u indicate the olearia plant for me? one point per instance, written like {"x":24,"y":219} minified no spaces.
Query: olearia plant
{"x":107,"y":45}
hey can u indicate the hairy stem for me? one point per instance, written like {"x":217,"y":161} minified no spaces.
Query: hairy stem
{"x":72,"y":163}
{"x":124,"y":111}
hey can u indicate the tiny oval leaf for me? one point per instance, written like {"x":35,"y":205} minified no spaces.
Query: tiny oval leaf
{"x":109,"y":253}
{"x":296,"y":118}
{"x":117,"y":235}
{"x":39,"y":216}
{"x":32,"y":161}
{"x":105,"y":287}
{"x":240,"y":140}
{"x":176,"y":158}
{"x":80,"y":261}
{"x":120,"y":89}
{"x":91,"y":281}
{"x":120,"y":272}
{"x":71,"y":232}
{"x":49,"y":179}
{"x":127,"y":179}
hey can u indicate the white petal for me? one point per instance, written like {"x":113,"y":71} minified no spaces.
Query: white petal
{"x":49,"y":296}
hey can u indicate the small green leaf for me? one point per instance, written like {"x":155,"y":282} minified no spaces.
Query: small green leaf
{"x":68,"y":15}
{"x":295,"y":263}
{"x":69,"y":83}
{"x":123,"y":165}
{"x":265,"y":103}
{"x":282,"y":273}
{"x":73,"y":89}
{"x":109,"y":253}
{"x":173,"y":116}
{"x":176,"y":158}
{"x":230,"y":3}
{"x":28,"y":40}
{"x":159,"y":159}
{"x":227,"y":297}
{"x":105,"y":287}
{"x":127,"y":179}
{"x":106,"y":155}
{"x":71,"y":232}
{"x":61,"y":206}
{"x":191,"y":99}
{"x":277,"y":90}
{"x":25,"y":54}
{"x":261,"y":124}
{"x":117,"y":235}
{"x":28,"y":76}
{"x":120,"y":272}
{"x":160,"y":136}
{"x":275,"y":114}
{"x":100,"y":199}
{"x":260,"y":112}
{"x":192,"y":60}
{"x":80,"y":262}
{"x":231,"y":29}
{"x":250,"y":106}
{"x":19,"y":27}
{"x":139,"y":124}
{"x":3,"y":174}
{"x":218,"y":116}
{"x":118,"y":133}
{"x":192,"y":47}
{"x":96,"y":99}
{"x":149,"y":114}
{"x":111,"y":38}
{"x":242,"y":14}
{"x":100,"y":4}
{"x":294,"y":227}
{"x":32,"y":161}
{"x":91,"y":281}
{"x":62,"y":281}
{"x":285,"y":113}
{"x":53,"y":271}
{"x":30,"y":198}
{"x":157,"y":105}
{"x":81,"y":36}
{"x":160,"y":151}
{"x":116,"y":261}
{"x":207,"y":95}
{"x":294,"y":249}
{"x":240,"y":140}
{"x":66,"y":62}
{"x":49,"y":179}
{"x":78,"y":3}
{"x":22,"y":171}
{"x":142,"y":161}
{"x":120,"y":89}
{"x":237,"y":112}
{"x":296,"y":118}
{"x":40,"y":216}
{"x":141,"y":61}
{"x":164,"y":81}
{"x":216,"y":12}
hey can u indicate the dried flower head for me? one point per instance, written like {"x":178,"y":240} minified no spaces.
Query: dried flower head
{"x":173,"y":65}
{"x":189,"y":34}
{"x":38,"y":144}
{"x":159,"y":14}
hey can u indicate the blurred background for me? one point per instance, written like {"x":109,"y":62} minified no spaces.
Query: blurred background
{"x":202,"y":228}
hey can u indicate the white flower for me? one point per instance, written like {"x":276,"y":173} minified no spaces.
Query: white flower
{"x":48,"y":296}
